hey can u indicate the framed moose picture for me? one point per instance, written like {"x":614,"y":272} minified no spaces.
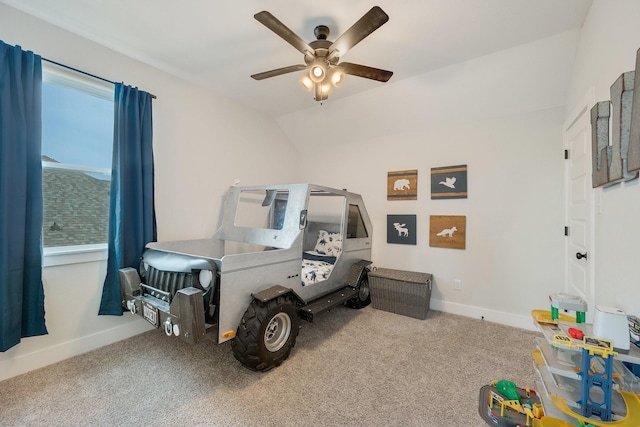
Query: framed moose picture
{"x":401,"y":229}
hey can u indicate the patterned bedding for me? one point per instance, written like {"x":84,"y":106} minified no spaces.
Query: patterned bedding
{"x":317,"y":264}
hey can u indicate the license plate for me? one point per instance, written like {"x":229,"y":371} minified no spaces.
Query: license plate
{"x":150,"y":313}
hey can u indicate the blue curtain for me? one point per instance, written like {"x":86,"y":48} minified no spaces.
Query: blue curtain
{"x":21,"y":290}
{"x":132,"y":219}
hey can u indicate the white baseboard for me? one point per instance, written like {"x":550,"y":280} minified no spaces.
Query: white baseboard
{"x":46,"y":356}
{"x":509,"y":319}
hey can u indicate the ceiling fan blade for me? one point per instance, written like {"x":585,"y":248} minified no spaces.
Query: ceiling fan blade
{"x":279,"y":71}
{"x":364,"y":71}
{"x":272,"y":23}
{"x":366,"y":25}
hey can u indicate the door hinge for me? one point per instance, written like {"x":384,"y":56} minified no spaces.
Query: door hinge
{"x":566,"y":230}
{"x":566,"y":154}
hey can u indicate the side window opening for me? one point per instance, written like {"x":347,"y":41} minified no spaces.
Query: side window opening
{"x":323,"y":239}
{"x":355,"y":224}
{"x":262,"y":209}
{"x":324,"y":214}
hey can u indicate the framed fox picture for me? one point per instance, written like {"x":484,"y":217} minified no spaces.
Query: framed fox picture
{"x":448,"y":231}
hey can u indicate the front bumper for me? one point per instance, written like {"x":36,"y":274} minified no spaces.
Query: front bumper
{"x":183,"y":317}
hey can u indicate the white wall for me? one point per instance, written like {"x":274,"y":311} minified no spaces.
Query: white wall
{"x":501,"y":115}
{"x":201,"y":141}
{"x":607,"y":48}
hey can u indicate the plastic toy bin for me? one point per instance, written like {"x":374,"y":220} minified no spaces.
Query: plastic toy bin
{"x":401,"y":292}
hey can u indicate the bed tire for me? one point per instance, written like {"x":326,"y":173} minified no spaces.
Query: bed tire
{"x":266,"y":334}
{"x":363,"y":298}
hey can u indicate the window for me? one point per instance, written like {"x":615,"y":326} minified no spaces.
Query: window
{"x":355,"y":223}
{"x":77,"y":141}
{"x":327,"y":208}
{"x":262,"y":209}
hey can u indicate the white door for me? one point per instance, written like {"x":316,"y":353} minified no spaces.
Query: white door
{"x":579,"y":204}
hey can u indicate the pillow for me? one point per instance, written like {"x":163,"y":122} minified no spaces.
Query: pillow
{"x":329,"y":243}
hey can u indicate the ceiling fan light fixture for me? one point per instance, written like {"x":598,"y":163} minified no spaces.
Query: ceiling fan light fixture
{"x":321,"y":56}
{"x":320,"y":95}
{"x":325,"y":88}
{"x":317,"y":72}
{"x":306,"y":82}
{"x":336,"y":77}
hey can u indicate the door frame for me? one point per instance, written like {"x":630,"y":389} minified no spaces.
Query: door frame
{"x":584,"y":106}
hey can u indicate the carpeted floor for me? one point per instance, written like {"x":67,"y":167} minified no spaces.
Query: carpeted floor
{"x":349,"y":368}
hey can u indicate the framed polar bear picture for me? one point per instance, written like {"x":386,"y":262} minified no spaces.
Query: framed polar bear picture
{"x":401,"y":229}
{"x":402,"y":185}
{"x":448,"y":231}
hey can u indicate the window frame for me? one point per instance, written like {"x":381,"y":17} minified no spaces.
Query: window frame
{"x":65,"y":255}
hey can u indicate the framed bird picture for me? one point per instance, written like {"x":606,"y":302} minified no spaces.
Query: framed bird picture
{"x":449,"y":182}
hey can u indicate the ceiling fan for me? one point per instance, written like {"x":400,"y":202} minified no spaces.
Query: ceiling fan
{"x":322,"y":56}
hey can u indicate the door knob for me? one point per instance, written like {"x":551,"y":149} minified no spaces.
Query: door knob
{"x":580,"y":256}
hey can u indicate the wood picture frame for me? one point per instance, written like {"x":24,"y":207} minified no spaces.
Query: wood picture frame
{"x":448,"y":231}
{"x":402,"y":185}
{"x":449,"y":182}
{"x":401,"y":229}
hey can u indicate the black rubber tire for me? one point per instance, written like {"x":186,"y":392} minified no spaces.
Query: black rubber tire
{"x":266,"y":334}
{"x":363,"y":298}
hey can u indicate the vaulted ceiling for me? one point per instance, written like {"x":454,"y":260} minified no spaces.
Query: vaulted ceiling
{"x":218,"y":44}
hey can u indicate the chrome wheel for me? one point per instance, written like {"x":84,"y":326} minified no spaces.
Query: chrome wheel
{"x":363,"y":298}
{"x":364,"y":292}
{"x":277,"y":332}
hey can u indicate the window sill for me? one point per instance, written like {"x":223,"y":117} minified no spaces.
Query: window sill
{"x":64,"y":255}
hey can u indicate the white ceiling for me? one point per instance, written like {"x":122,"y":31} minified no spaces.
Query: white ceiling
{"x":218,"y":44}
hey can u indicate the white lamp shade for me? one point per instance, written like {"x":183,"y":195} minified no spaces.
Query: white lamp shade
{"x":317,"y":72}
{"x":325,"y":87}
{"x":320,"y":96}
{"x":306,"y":82}
{"x":336,"y":77}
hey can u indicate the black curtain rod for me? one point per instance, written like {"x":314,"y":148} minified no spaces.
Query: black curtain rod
{"x":84,"y":72}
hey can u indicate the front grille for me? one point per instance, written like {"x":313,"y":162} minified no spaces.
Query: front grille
{"x":168,"y":282}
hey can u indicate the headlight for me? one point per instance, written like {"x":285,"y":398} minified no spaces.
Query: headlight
{"x":144,"y":267}
{"x":205,"y":278}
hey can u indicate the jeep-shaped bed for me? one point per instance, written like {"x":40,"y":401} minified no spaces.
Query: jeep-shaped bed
{"x":282,"y":253}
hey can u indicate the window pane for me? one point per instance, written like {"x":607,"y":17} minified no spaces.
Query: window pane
{"x":76,"y":208}
{"x":77,"y":128}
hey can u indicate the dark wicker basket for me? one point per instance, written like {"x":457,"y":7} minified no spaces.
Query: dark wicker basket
{"x":401,"y":292}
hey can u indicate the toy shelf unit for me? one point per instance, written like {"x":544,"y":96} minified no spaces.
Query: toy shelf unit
{"x":562,"y":301}
{"x":581,"y":378}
